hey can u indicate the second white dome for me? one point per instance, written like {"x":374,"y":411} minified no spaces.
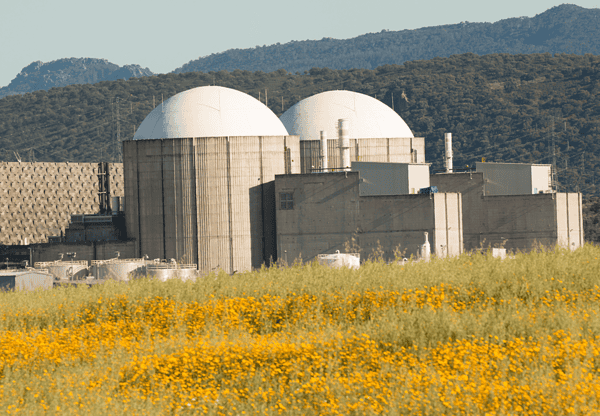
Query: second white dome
{"x":368,"y":117}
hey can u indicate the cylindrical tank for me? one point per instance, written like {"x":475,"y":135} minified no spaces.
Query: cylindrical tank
{"x":200,"y":200}
{"x":65,"y":270}
{"x":324,"y":161}
{"x":344,"y":144}
{"x":165,"y":271}
{"x":118,"y":269}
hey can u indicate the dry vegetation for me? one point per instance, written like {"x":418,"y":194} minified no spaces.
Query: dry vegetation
{"x":468,"y":335}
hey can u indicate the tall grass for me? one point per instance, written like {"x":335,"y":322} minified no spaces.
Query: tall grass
{"x":472,"y":334}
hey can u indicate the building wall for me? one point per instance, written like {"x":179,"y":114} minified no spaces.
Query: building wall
{"x":391,"y":178}
{"x":38,"y":199}
{"x":324,"y":215}
{"x":395,"y":150}
{"x":103,"y":250}
{"x":516,"y":222}
{"x":201,"y":200}
{"x":328,"y":213}
{"x":541,"y":178}
{"x":569,"y":220}
{"x":471,"y":187}
{"x":506,"y":178}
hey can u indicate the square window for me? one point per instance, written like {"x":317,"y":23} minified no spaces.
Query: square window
{"x":286,"y":200}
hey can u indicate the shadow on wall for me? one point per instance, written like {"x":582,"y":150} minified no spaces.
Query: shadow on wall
{"x":263,"y":230}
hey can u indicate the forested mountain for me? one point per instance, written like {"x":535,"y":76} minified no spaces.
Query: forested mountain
{"x":503,"y":107}
{"x":562,"y":29}
{"x":62,"y":72}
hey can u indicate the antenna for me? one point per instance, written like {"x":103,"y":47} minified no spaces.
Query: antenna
{"x":118,"y":132}
{"x":554,"y":184}
{"x":266,"y":98}
{"x":17,"y":156}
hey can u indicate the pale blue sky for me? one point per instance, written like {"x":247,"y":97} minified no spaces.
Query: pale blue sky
{"x":164,"y":35}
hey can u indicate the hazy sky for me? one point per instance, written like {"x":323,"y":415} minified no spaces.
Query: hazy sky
{"x":164,"y":35}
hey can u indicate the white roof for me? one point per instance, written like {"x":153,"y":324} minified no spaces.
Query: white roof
{"x":210,"y":112}
{"x":368,"y":117}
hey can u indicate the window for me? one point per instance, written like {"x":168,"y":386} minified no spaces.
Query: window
{"x":286,"y":200}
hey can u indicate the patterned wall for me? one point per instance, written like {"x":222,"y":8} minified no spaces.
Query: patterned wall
{"x":38,"y":199}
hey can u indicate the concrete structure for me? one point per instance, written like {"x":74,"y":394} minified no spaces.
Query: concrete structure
{"x":203,"y":193}
{"x":95,"y":228}
{"x":38,"y":199}
{"x":516,"y":222}
{"x":391,"y":178}
{"x":88,"y":250}
{"x":376,"y":133}
{"x":319,"y":213}
{"x":515,"y":178}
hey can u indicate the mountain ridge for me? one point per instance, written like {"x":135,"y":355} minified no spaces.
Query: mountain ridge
{"x":553,"y":31}
{"x":68,"y":71}
{"x":565,"y":28}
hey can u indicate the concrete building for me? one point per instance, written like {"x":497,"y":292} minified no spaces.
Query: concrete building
{"x":376,"y":133}
{"x":515,"y":178}
{"x":391,"y":178}
{"x":516,"y":219}
{"x":38,"y":199}
{"x":319,"y":213}
{"x":199,"y":179}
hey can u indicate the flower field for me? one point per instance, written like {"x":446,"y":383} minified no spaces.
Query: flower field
{"x":467,"y":335}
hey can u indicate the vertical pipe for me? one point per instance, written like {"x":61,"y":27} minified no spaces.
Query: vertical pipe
{"x":344,"y":144}
{"x":324,"y":161}
{"x":448,"y":140}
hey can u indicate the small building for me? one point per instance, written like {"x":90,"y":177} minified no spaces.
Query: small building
{"x":391,"y":178}
{"x":515,"y":178}
{"x":25,"y":279}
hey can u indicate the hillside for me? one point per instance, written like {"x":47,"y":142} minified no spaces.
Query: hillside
{"x":502,"y":107}
{"x":563,"y":29}
{"x":62,"y":72}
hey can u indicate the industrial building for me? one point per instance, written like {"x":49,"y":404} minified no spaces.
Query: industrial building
{"x":199,"y":179}
{"x":214,"y":180}
{"x":376,"y":133}
{"x":514,"y":214}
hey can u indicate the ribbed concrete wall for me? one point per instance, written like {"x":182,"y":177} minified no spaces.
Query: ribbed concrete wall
{"x":395,"y":150}
{"x":38,"y":199}
{"x":200,"y":200}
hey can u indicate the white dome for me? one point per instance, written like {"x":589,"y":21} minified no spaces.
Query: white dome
{"x":368,"y":117}
{"x":210,"y":112}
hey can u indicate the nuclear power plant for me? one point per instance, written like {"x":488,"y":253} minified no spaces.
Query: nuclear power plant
{"x":214,"y":180}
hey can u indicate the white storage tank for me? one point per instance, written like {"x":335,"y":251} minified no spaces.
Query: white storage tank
{"x":65,"y":270}
{"x":164,"y":271}
{"x":118,"y":269}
